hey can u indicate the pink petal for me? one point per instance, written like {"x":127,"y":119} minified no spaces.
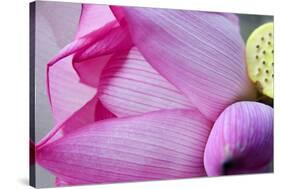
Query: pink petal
{"x":118,"y":39}
{"x":90,"y":70}
{"x":93,"y":17}
{"x":91,"y":112}
{"x":241,"y":140}
{"x":95,"y":33}
{"x":102,"y":112}
{"x":118,"y":13}
{"x":159,"y":145}
{"x":63,"y":82}
{"x":90,"y":62}
{"x":66,"y":93}
{"x":84,"y":42}
{"x":202,"y":54}
{"x":130,"y":86}
{"x":80,"y":118}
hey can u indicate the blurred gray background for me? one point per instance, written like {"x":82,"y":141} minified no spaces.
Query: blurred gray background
{"x":60,"y":19}
{"x":52,"y":19}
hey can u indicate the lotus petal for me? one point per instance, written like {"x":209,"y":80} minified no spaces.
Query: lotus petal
{"x":66,"y":93}
{"x":90,"y":62}
{"x":98,"y":35}
{"x":130,"y":86}
{"x":117,"y":40}
{"x":102,"y":112}
{"x":241,"y":140}
{"x":84,"y":42}
{"x":164,"y":144}
{"x":201,"y":53}
{"x":91,"y":112}
{"x":63,"y":82}
{"x":92,"y":18}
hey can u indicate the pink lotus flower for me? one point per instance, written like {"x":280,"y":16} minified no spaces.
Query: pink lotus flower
{"x":145,"y":94}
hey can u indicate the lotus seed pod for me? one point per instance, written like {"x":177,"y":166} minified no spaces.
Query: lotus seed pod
{"x":241,"y":140}
{"x":260,"y":61}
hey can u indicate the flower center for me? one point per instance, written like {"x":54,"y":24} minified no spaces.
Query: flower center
{"x":259,"y":57}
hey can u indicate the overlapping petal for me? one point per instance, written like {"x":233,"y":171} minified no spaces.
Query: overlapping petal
{"x":157,"y":145}
{"x":130,"y":86}
{"x":241,"y":140}
{"x":89,"y":32}
{"x":201,"y":53}
{"x":117,"y":40}
{"x":93,"y":17}
{"x":81,"y":43}
{"x":63,"y":86}
{"x":102,"y":112}
{"x":89,"y":70}
{"x":98,"y":35}
{"x":90,"y":62}
{"x":62,"y":80}
{"x":91,"y":112}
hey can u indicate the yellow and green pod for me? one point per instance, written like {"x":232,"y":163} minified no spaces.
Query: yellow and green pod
{"x":259,"y":57}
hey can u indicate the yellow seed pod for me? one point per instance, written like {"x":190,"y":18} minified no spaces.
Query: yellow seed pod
{"x":259,"y":57}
